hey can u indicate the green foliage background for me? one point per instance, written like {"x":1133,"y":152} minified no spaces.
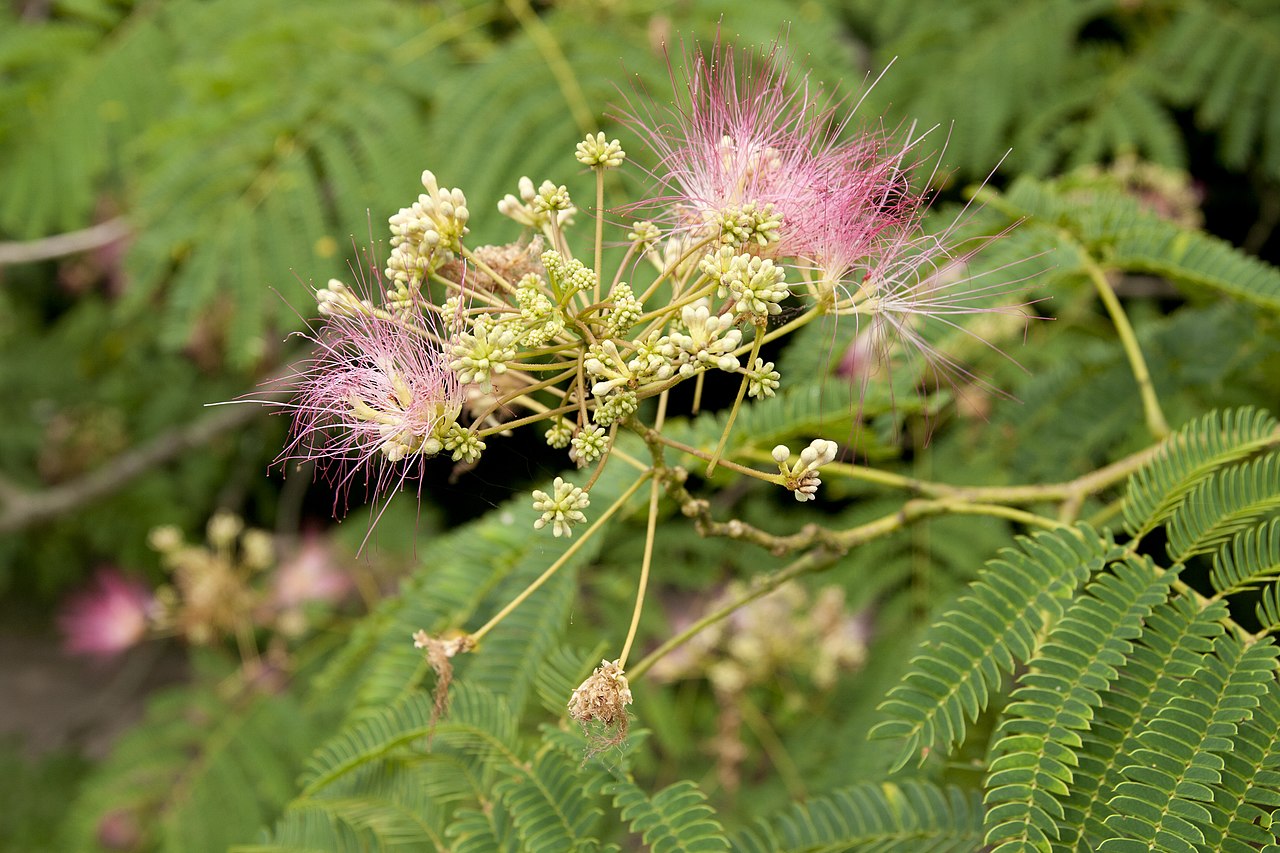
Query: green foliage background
{"x":1112,"y":687}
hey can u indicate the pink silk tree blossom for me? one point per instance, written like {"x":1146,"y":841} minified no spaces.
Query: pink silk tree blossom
{"x":108,"y":617}
{"x":375,"y":400}
{"x":750,"y":140}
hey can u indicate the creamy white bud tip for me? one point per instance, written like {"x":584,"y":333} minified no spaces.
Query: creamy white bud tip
{"x":781,"y":454}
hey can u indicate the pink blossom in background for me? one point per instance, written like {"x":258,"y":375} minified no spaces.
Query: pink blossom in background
{"x":106,"y":618}
{"x":311,"y":574}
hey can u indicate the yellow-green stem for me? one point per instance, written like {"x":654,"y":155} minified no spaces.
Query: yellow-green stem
{"x":665,"y":274}
{"x":785,"y":329}
{"x":626,"y":259}
{"x":604,"y":458}
{"x":488,"y":270}
{"x":599,"y":230}
{"x":737,"y":402}
{"x":560,"y":68}
{"x":529,"y":419}
{"x":818,"y":558}
{"x":655,"y":489}
{"x":476,"y":636}
{"x":521,"y":398}
{"x":1156,"y":423}
{"x":652,"y":435}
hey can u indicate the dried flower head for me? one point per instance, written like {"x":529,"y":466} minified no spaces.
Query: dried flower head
{"x":603,"y":698}
{"x":440,"y":653}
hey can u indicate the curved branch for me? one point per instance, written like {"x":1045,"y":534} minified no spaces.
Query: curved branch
{"x":21,"y":508}
{"x":60,"y":245}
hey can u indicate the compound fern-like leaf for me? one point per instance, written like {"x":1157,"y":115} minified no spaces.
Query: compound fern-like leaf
{"x":991,"y":628}
{"x":1032,"y":764}
{"x":677,"y":819}
{"x":1191,"y":455}
{"x":891,"y":817}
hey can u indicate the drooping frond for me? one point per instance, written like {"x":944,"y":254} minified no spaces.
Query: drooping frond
{"x":1251,"y":780}
{"x":381,"y":665}
{"x":382,"y":658}
{"x":1105,"y":105}
{"x":548,"y":805}
{"x":477,"y":718}
{"x":561,"y":671}
{"x":1191,"y":455}
{"x":1217,"y":57}
{"x":1080,"y":410}
{"x":206,"y":772}
{"x":1032,"y":763}
{"x":1174,"y":639}
{"x":1173,"y":781}
{"x":387,"y":809}
{"x":891,"y":817}
{"x":1226,"y":502}
{"x":1222,"y":58}
{"x":1267,"y":610}
{"x":995,"y":625}
{"x":1252,"y":558}
{"x":676,"y":819}
{"x":77,"y":103}
{"x":1113,"y":226}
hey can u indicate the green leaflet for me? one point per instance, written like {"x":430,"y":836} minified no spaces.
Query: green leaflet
{"x":1016,"y":598}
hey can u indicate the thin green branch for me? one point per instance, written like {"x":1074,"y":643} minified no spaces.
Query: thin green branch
{"x":556,"y":62}
{"x":477,"y":635}
{"x":737,"y":402}
{"x":1156,"y":423}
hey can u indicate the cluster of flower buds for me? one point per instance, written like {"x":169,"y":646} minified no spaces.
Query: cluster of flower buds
{"x":562,"y":509}
{"x":802,"y":479}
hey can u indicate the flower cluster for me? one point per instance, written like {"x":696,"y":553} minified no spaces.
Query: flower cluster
{"x":768,"y":212}
{"x":802,"y":479}
{"x":234,"y":583}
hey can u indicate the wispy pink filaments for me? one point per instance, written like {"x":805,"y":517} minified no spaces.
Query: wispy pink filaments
{"x":749,"y":152}
{"x":376,"y":398}
{"x":918,"y":288}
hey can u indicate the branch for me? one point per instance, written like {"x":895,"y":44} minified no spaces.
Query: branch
{"x":21,"y":508}
{"x":60,"y":245}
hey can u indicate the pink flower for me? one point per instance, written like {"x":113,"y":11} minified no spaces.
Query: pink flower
{"x":849,"y":214}
{"x":751,"y":142}
{"x":311,"y":574}
{"x":108,"y":617}
{"x":377,"y":398}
